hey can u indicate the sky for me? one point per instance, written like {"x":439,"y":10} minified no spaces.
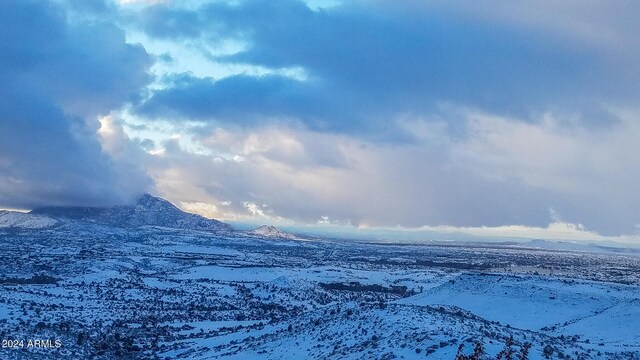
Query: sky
{"x":493,"y":118}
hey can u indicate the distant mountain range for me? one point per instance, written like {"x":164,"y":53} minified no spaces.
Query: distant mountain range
{"x":147,"y":210}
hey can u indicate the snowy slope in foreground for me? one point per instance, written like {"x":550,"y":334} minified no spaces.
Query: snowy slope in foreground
{"x":604,"y":313}
{"x":596,"y":320}
{"x":352,"y":331}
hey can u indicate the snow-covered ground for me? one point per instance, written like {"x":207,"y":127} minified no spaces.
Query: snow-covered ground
{"x":149,"y":292}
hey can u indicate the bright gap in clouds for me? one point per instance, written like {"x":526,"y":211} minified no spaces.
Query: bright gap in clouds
{"x":561,"y":232}
{"x":197,"y":58}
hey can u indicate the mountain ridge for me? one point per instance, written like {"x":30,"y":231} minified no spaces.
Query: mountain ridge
{"x":147,"y":210}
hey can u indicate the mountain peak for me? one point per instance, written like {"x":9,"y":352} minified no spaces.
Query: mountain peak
{"x":150,"y":201}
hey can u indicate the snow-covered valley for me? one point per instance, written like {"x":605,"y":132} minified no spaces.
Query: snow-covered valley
{"x":156,"y":292}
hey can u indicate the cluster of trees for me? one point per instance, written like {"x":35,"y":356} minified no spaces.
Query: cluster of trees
{"x":507,"y":353}
{"x":35,"y":279}
{"x":356,"y":286}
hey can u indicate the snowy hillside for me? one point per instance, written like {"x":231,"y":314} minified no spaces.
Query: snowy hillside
{"x":13,"y":219}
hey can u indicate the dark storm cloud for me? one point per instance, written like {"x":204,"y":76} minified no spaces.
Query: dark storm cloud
{"x":244,"y":97}
{"x":367,"y":64}
{"x":166,"y":22}
{"x":57,"y":75}
{"x":248,"y":100}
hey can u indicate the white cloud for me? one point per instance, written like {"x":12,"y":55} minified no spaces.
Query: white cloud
{"x":253,"y":209}
{"x":502,"y":172}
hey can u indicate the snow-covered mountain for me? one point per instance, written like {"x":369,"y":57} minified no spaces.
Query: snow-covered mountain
{"x":271,"y":232}
{"x":147,"y":210}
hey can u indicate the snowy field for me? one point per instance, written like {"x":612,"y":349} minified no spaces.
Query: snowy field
{"x":152,"y":292}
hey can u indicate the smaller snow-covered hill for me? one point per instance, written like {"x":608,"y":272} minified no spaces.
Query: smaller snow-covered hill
{"x":14,"y":219}
{"x":272,"y":232}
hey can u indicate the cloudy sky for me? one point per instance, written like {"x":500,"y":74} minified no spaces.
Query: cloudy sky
{"x":490,"y":117}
